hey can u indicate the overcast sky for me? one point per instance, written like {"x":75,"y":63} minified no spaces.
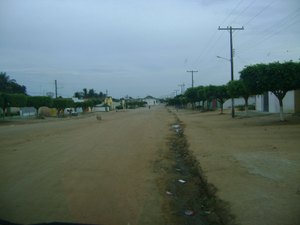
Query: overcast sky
{"x":138,"y":47}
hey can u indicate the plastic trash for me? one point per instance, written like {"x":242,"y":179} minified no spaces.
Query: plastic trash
{"x":189,"y":212}
{"x":181,"y":181}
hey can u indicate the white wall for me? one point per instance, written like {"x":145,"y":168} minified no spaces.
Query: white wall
{"x":151,"y":101}
{"x":259,"y":103}
{"x":288,"y":103}
{"x":239,"y":101}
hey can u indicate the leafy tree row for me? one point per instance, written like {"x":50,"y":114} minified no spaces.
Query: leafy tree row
{"x":91,"y":93}
{"x":21,"y":100}
{"x":206,"y":94}
{"x":278,"y":78}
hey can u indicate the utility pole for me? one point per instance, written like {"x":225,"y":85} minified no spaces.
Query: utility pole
{"x":176,"y":92}
{"x":181,"y":87}
{"x":55,"y":88}
{"x":231,"y":59}
{"x":192,"y":71}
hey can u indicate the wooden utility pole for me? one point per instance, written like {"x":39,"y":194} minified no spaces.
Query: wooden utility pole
{"x":192,"y":71}
{"x":55,"y":88}
{"x":231,"y":60}
{"x":181,"y":88}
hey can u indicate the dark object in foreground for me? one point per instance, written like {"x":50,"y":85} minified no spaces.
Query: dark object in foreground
{"x":4,"y":222}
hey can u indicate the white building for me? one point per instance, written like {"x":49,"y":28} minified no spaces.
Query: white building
{"x":239,"y":101}
{"x":151,"y":100}
{"x":268,"y":102}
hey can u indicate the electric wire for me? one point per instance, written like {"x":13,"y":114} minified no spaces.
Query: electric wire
{"x":241,"y":13}
{"x":271,"y":31}
{"x":210,"y":45}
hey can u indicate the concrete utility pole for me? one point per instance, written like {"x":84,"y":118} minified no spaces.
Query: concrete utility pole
{"x":192,"y":71}
{"x":181,"y":87}
{"x":175,"y":91}
{"x":231,"y":60}
{"x":55,"y":88}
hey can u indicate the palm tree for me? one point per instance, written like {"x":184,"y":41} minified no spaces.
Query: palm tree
{"x":8,"y":85}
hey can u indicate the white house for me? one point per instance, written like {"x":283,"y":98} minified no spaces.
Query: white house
{"x":151,"y":100}
{"x":268,"y":102}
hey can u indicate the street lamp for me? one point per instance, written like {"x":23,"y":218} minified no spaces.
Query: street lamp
{"x":231,"y":66}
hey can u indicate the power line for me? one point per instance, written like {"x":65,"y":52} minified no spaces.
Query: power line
{"x":260,"y":12}
{"x":232,"y":11}
{"x":271,"y":31}
{"x":210,"y":45}
{"x":245,"y":9}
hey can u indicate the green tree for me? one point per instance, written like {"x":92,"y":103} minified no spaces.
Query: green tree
{"x":85,"y":95}
{"x":2,"y":104}
{"x":79,"y":95}
{"x":39,"y":101}
{"x":12,"y":100}
{"x":191,"y":95}
{"x":236,"y":89}
{"x":221,"y":95}
{"x":61,"y":104}
{"x":91,"y":93}
{"x":201,"y":95}
{"x":279,"y":78}
{"x":8,"y":85}
{"x":210,"y":94}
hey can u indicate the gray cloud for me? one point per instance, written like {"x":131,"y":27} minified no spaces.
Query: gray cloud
{"x":138,"y":47}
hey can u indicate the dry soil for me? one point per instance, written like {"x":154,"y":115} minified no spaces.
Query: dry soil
{"x":83,"y":170}
{"x":253,"y":162}
{"x":105,"y":172}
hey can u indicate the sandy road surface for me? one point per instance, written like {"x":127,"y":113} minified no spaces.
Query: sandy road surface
{"x":83,"y":170}
{"x":253,"y":162}
{"x":86,"y":171}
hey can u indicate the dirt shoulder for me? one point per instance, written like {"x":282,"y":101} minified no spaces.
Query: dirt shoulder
{"x":253,"y":162}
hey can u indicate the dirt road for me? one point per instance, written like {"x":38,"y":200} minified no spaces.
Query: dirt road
{"x":83,"y":170}
{"x":113,"y":171}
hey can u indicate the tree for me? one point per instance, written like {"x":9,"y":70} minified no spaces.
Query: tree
{"x":221,"y":95}
{"x":91,"y":93}
{"x":191,"y":95}
{"x":279,"y":78}
{"x":210,"y":94}
{"x":218,"y":93}
{"x":78,"y":95}
{"x":61,"y":103}
{"x":84,"y":93}
{"x":236,"y":89}
{"x":201,"y":95}
{"x":39,"y":101}
{"x":8,"y":85}
{"x":12,"y":100}
{"x":2,"y":104}
{"x":251,"y":76}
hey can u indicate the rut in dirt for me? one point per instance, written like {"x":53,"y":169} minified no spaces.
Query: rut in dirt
{"x":189,"y":199}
